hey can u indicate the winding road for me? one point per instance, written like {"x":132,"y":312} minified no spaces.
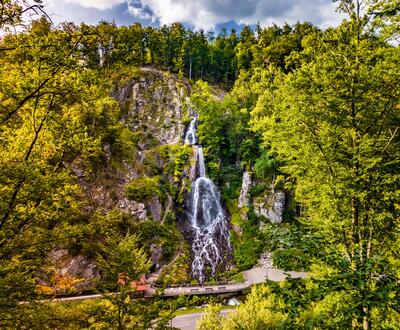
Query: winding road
{"x":253,"y":276}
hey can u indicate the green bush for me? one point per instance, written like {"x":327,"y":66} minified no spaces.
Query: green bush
{"x":265,"y":166}
{"x":180,"y":156}
{"x":247,"y":247}
{"x":258,"y":189}
{"x":246,"y":253}
{"x":291,"y":259}
{"x":143,"y":188}
{"x":168,"y":160}
{"x":239,"y":277}
{"x":153,"y":232}
{"x":293,"y":247}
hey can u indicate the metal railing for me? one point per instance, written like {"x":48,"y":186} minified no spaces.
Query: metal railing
{"x":197,"y":285}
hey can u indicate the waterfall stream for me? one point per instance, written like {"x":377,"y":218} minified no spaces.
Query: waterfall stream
{"x":190,"y":137}
{"x":210,"y":245}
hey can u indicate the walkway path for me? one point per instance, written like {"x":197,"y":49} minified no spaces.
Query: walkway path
{"x":259,"y":275}
{"x":253,"y":276}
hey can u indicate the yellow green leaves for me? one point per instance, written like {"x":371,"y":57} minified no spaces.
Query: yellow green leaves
{"x":143,"y":188}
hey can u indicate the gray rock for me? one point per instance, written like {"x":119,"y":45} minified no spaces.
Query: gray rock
{"x":244,"y":198}
{"x":271,"y":207}
{"x":193,"y":165}
{"x":153,"y":103}
{"x":155,"y":208}
{"x":78,"y":267}
{"x":100,"y":195}
{"x":156,"y":255}
{"x":134,"y":208}
{"x":265,"y":260}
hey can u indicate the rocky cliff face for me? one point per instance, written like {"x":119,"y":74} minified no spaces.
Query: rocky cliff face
{"x":270,"y":204}
{"x":154,"y":109}
{"x":244,"y":197}
{"x":155,"y":102}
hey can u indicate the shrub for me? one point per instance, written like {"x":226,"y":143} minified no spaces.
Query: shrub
{"x":247,"y":248}
{"x":143,"y":188}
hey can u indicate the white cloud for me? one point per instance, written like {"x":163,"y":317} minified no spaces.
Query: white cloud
{"x":207,"y":13}
{"x":140,"y":13}
{"x":169,"y":11}
{"x":98,"y":4}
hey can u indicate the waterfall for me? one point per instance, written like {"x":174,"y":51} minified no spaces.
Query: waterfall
{"x":210,"y":245}
{"x":202,"y":167}
{"x":190,"y":137}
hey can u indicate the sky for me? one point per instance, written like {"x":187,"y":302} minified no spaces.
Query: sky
{"x":197,"y":14}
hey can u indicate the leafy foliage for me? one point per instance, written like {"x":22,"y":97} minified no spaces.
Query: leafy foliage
{"x":246,"y":247}
{"x":143,"y":188}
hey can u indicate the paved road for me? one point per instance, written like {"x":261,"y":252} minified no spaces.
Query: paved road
{"x":188,"y":321}
{"x":252,"y":276}
{"x":259,"y":275}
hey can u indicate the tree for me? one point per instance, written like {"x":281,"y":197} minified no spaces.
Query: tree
{"x":211,"y":320}
{"x":106,"y":33}
{"x":155,"y":46}
{"x":261,"y":311}
{"x":123,"y":262}
{"x":11,"y":11}
{"x":334,"y":122}
{"x":46,"y":100}
{"x":244,"y":54}
{"x":202,"y":54}
{"x":386,"y":15}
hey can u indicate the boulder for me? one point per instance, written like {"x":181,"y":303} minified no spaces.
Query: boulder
{"x":271,"y":206}
{"x":244,"y":198}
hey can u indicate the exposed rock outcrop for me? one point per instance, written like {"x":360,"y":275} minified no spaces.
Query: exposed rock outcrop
{"x":265,"y":260}
{"x":271,"y":206}
{"x":79,"y":268}
{"x":155,"y":207}
{"x":134,"y":208}
{"x":193,"y":166}
{"x":154,"y":107}
{"x":244,"y":198}
{"x":156,"y":255}
{"x":155,"y":102}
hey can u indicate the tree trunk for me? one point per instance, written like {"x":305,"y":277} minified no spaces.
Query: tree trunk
{"x":190,"y":69}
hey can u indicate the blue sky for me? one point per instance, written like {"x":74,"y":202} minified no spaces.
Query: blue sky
{"x":199,"y":14}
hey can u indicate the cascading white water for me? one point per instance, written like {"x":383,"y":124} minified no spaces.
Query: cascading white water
{"x":190,"y":137}
{"x":210,"y":243}
{"x":202,"y":167}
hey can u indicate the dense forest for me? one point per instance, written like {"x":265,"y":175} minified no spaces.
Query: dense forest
{"x":94,"y":170}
